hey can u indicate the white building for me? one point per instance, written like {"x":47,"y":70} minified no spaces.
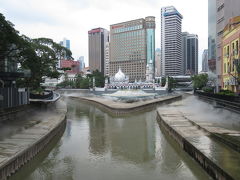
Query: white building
{"x":157,"y":62}
{"x":150,"y":71}
{"x":171,"y":48}
{"x":106,"y":64}
{"x":205,"y":61}
{"x":81,"y":63}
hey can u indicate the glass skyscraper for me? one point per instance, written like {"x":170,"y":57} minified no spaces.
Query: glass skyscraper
{"x":212,"y":34}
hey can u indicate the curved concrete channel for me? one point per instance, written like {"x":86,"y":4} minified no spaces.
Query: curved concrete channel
{"x":121,"y":108}
{"x":18,"y":149}
{"x":219,"y":159}
{"x":193,"y":140}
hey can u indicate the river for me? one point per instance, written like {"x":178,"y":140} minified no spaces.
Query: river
{"x":98,"y":146}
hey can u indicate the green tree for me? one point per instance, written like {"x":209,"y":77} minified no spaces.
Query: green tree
{"x":13,"y":47}
{"x":39,"y":55}
{"x":99,"y":78}
{"x":163,"y":81}
{"x":78,"y":79}
{"x":171,"y":83}
{"x":199,"y":81}
{"x":84,"y":84}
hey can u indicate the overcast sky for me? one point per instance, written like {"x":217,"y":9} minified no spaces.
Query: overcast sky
{"x":72,"y":19}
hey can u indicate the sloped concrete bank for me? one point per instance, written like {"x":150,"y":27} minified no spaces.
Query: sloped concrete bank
{"x":18,"y":149}
{"x":217,"y":159}
{"x":120,"y":108}
{"x":14,"y":112}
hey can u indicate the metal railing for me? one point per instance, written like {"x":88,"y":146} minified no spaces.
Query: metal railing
{"x":219,"y":96}
{"x":13,"y":97}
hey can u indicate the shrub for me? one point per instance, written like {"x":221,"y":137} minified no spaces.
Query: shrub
{"x":226,"y":92}
{"x":208,"y":89}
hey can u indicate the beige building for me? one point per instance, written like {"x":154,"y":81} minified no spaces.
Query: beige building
{"x":225,"y":10}
{"x":97,"y":39}
{"x":132,"y":47}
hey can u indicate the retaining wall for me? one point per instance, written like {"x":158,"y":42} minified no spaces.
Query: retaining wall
{"x":207,"y":164}
{"x":22,"y":157}
{"x":124,"y":108}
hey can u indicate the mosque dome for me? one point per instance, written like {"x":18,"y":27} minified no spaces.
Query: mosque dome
{"x":119,"y":76}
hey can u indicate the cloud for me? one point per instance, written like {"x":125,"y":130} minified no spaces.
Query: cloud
{"x":73,"y":18}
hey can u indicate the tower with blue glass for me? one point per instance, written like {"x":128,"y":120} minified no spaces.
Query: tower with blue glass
{"x":150,"y":35}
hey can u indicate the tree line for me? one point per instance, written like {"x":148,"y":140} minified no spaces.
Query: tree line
{"x":39,"y":55}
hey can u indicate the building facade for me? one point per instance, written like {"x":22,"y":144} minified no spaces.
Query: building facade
{"x":157,"y":62}
{"x":73,"y":65}
{"x":81,"y":63}
{"x":190,"y":53}
{"x":212,"y":35}
{"x":65,"y":43}
{"x":171,"y":42}
{"x":225,"y":10}
{"x":97,"y":39}
{"x":205,"y":61}
{"x":132,"y":47}
{"x":106,"y":64}
{"x":231,"y":55}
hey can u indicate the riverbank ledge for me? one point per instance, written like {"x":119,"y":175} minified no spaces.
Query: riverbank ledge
{"x":21,"y":147}
{"x":121,"y":108}
{"x":217,"y":159}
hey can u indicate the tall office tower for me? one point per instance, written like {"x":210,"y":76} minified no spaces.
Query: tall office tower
{"x":106,"y":64}
{"x":171,"y":47}
{"x":81,"y":62}
{"x":65,"y":43}
{"x":225,"y":10}
{"x":190,"y":53}
{"x":157,"y":62}
{"x":212,"y":35}
{"x":184,"y":51}
{"x":205,"y":61}
{"x":132,"y":47}
{"x":97,"y":39}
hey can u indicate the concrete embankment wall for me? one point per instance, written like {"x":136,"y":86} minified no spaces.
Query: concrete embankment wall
{"x":69,"y":91}
{"x":126,"y":108}
{"x":211,"y":167}
{"x":43,"y":133}
{"x":14,"y":112}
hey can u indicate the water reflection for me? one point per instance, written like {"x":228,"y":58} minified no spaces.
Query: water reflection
{"x":99,"y":146}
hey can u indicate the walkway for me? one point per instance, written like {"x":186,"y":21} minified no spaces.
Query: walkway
{"x":30,"y":138}
{"x":192,"y":123}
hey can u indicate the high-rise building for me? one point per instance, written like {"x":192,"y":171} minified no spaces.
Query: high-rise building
{"x":190,"y":53}
{"x":132,"y":47}
{"x":81,"y":62}
{"x":171,"y":42}
{"x":97,"y":39}
{"x":205,"y":61}
{"x":212,"y":35}
{"x":157,"y":62}
{"x":225,"y":10}
{"x":65,"y":43}
{"x":106,"y":64}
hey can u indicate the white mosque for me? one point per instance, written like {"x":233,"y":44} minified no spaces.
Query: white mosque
{"x":121,"y":81}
